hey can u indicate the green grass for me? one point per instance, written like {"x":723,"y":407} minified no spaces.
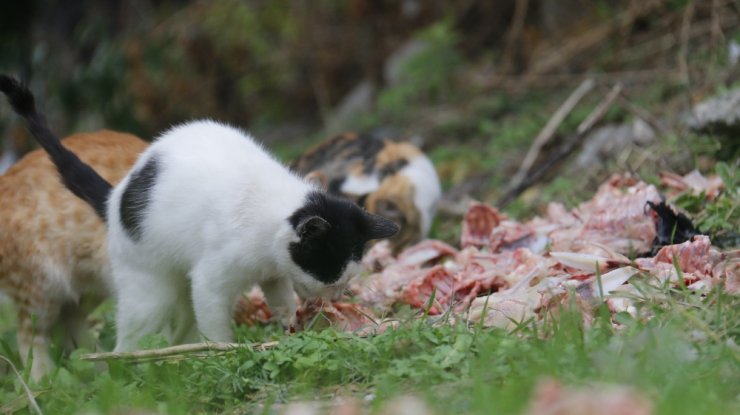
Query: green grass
{"x":681,"y":353}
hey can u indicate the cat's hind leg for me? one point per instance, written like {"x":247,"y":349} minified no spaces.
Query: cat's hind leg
{"x":184,"y":329}
{"x":36,"y":317}
{"x":74,"y":325}
{"x":145,"y":304}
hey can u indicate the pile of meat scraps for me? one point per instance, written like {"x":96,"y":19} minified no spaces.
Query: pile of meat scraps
{"x":507,"y":271}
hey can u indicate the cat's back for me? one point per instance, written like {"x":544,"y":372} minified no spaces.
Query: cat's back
{"x":205,"y":142}
{"x":35,"y":179}
{"x":41,"y":220}
{"x":32,"y":185}
{"x":214,"y":157}
{"x":190,"y":187}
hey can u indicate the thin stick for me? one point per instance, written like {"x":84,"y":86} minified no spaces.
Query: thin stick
{"x":549,"y":130}
{"x":641,"y":114}
{"x":600,"y":110}
{"x":178,"y":350}
{"x":586,"y":125}
{"x":31,"y":400}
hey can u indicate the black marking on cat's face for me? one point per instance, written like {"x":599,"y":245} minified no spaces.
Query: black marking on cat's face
{"x":136,"y":198}
{"x":332,"y":232}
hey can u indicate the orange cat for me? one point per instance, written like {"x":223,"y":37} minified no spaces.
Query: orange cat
{"x":53,"y":261}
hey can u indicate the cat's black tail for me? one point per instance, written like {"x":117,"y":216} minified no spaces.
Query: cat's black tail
{"x":80,"y":178}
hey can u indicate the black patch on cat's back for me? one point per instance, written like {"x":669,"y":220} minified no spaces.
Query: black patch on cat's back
{"x":136,"y":197}
{"x":364,"y":147}
{"x":393,"y":168}
{"x":325,"y":258}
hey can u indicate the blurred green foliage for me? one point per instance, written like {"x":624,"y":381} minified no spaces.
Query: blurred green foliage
{"x":427,"y":76}
{"x":719,"y":217}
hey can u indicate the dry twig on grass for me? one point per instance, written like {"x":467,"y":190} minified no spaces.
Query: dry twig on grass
{"x":642,"y":114}
{"x":600,"y":110}
{"x":583,"y":128}
{"x":549,"y":130}
{"x":176,"y":351}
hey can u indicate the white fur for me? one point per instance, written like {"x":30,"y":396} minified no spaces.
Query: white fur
{"x":215,"y":226}
{"x":360,"y":185}
{"x":427,"y":190}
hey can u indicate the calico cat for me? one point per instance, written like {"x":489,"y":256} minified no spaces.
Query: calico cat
{"x":392,"y":179}
{"x":53,"y":261}
{"x":204,"y":214}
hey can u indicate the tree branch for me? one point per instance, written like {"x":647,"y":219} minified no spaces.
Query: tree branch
{"x":183,"y":349}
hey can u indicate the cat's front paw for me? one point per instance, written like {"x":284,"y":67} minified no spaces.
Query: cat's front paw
{"x":289,"y":324}
{"x":287,"y":318}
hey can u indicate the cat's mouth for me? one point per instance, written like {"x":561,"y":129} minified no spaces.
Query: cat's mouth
{"x":327,"y":293}
{"x":301,"y":291}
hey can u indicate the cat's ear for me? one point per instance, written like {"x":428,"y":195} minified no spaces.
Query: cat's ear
{"x":312,"y":227}
{"x":318,"y":179}
{"x":379,"y":227}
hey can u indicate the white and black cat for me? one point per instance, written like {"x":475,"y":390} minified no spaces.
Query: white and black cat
{"x":204,"y":214}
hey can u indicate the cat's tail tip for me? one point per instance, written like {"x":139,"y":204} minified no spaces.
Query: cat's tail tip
{"x":18,"y":94}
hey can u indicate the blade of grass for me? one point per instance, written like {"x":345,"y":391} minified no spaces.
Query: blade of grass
{"x":29,"y":395}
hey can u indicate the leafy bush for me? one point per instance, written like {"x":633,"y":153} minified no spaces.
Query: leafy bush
{"x":427,"y":75}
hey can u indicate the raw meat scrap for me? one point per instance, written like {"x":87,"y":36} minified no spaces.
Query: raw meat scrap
{"x":426,"y":252}
{"x":340,"y":315}
{"x":590,"y":262}
{"x":379,"y":256}
{"x":252,"y":308}
{"x":511,"y":234}
{"x":692,"y":256}
{"x":511,"y":267}
{"x":504,"y":310}
{"x":730,"y":270}
{"x":694,"y":182}
{"x":696,"y":260}
{"x":478,"y":223}
{"x":615,"y":217}
{"x":500,"y":266}
{"x":382,"y":289}
{"x":437,"y":281}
